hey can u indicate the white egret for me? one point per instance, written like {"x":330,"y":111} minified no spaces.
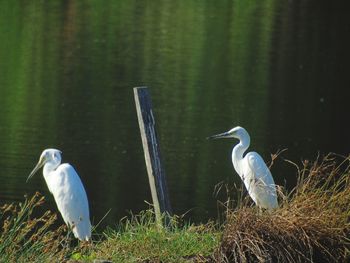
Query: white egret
{"x":68,"y":191}
{"x":252,"y":169}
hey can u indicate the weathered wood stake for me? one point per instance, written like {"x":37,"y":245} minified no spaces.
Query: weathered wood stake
{"x":156,"y":174}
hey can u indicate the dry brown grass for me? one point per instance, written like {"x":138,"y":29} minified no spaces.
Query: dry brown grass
{"x":312,"y":223}
{"x":26,"y":238}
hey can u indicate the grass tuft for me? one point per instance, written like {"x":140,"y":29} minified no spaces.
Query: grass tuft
{"x":139,"y":239}
{"x":312,"y":223}
{"x":24,"y":238}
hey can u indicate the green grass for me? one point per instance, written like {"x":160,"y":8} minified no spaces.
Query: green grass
{"x":312,"y":223}
{"x":139,"y":239}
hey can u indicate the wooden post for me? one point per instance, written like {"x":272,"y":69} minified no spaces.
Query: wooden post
{"x":156,"y":174}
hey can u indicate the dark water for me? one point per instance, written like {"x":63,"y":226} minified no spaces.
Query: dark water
{"x":67,"y":68}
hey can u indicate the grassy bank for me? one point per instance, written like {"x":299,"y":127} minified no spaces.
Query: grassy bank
{"x":139,"y":239}
{"x":136,"y":239}
{"x":312,"y":224}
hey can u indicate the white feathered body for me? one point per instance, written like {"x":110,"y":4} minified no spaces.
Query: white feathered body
{"x":257,"y":179}
{"x":70,"y":196}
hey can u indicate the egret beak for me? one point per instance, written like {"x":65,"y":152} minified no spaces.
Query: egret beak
{"x":220,"y":136}
{"x":36,"y":168}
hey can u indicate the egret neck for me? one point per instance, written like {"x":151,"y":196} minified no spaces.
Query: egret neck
{"x":239,"y":149}
{"x":51,"y":166}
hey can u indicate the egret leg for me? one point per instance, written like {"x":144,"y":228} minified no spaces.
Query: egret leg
{"x":67,"y":239}
{"x":68,"y":233}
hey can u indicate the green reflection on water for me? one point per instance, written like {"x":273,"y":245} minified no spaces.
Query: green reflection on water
{"x":67,"y":75}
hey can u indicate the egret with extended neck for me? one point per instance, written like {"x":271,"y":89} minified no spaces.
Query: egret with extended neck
{"x":252,"y":169}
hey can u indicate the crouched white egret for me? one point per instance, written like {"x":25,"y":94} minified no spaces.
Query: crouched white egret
{"x":68,"y":191}
{"x":252,"y":169}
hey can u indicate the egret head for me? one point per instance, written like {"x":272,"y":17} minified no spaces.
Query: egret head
{"x":49,"y":155}
{"x":236,"y":132}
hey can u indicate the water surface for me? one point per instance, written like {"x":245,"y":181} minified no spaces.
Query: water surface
{"x":67,"y":69}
